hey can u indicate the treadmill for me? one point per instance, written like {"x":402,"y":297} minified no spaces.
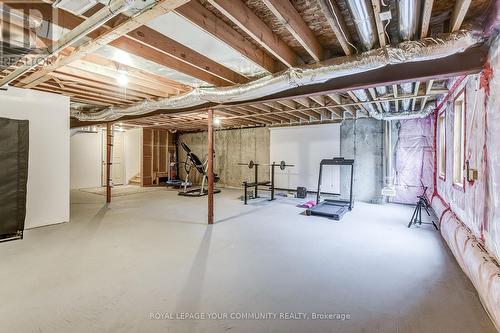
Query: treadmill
{"x":333,"y":208}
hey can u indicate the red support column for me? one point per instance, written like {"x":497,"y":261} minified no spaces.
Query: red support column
{"x":210,"y":169}
{"x":109,"y":163}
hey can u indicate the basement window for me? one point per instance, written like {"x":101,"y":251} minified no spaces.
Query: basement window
{"x":442,"y":145}
{"x":458,"y":140}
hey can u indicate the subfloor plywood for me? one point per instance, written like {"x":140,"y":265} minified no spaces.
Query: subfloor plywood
{"x":112,"y":266}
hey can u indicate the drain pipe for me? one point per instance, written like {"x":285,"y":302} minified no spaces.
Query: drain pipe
{"x":114,"y":8}
{"x":388,"y":190}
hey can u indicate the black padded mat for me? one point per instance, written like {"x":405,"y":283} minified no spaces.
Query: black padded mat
{"x":14,"y":148}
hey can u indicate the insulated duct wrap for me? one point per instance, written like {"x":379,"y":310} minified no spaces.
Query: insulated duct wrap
{"x":410,"y":51}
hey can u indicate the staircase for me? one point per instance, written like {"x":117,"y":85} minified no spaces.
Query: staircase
{"x":136,"y":180}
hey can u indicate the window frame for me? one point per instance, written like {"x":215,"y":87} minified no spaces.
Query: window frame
{"x":441,"y":156}
{"x":460,"y":185}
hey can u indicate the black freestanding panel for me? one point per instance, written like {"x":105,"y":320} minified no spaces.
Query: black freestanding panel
{"x":14,"y":147}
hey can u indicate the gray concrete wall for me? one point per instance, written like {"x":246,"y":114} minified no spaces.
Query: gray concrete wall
{"x":231,"y":147}
{"x":363,"y":140}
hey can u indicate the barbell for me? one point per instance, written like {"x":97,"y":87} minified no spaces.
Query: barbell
{"x":282,"y":164}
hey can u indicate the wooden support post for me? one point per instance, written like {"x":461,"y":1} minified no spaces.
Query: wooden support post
{"x":109,"y":163}
{"x":210,"y":169}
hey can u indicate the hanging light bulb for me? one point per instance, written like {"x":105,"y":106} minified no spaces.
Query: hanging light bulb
{"x":216,"y":121}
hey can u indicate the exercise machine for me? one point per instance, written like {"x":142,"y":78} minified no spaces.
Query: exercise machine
{"x":416,"y":218}
{"x":192,"y":160}
{"x":255,"y":184}
{"x":333,"y":208}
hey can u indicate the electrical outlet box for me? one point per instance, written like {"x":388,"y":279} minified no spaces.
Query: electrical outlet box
{"x":472,"y":175}
{"x":385,"y":16}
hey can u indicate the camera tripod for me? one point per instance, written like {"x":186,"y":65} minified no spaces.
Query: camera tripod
{"x":416,"y":218}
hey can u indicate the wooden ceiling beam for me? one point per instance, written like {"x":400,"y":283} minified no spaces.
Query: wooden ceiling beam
{"x":248,"y":21}
{"x":194,"y":12}
{"x":65,"y":81}
{"x":69,"y":21}
{"x":161,"y":58}
{"x":426,"y":18}
{"x":161,"y":7}
{"x":139,"y":73}
{"x":378,"y":23}
{"x":86,"y":83}
{"x":87,"y":93}
{"x":458,"y":15}
{"x":293,"y":22}
{"x":335,"y":20}
{"x":145,"y":85}
{"x":80,"y":96}
{"x":160,"y":42}
{"x":92,"y":75}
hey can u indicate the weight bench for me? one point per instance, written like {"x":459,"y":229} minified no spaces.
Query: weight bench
{"x":255,"y":185}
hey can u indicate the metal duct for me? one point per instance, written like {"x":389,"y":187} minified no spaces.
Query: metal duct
{"x":363,"y":97}
{"x":429,"y":108}
{"x":83,"y":130}
{"x":407,"y":90}
{"x":114,"y":8}
{"x":411,"y":51}
{"x":409,"y":14}
{"x":362,"y":14}
{"x":382,"y":90}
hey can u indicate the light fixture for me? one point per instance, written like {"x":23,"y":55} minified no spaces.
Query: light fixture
{"x":122,"y":78}
{"x":216,"y":121}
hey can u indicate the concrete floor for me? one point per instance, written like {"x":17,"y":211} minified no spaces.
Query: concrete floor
{"x":111,"y":267}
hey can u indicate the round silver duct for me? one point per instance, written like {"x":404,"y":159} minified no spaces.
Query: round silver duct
{"x":362,"y":14}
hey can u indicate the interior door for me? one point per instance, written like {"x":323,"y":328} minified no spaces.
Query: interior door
{"x":117,"y":173}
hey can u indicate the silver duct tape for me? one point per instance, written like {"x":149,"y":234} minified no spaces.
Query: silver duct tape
{"x":410,"y":51}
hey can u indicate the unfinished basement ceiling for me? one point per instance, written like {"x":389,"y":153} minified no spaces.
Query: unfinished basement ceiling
{"x":200,"y":46}
{"x":186,"y":33}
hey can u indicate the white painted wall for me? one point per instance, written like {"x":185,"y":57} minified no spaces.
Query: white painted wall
{"x":86,"y":160}
{"x":86,"y":157}
{"x":132,"y":153}
{"x":305,"y":147}
{"x":49,"y":166}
